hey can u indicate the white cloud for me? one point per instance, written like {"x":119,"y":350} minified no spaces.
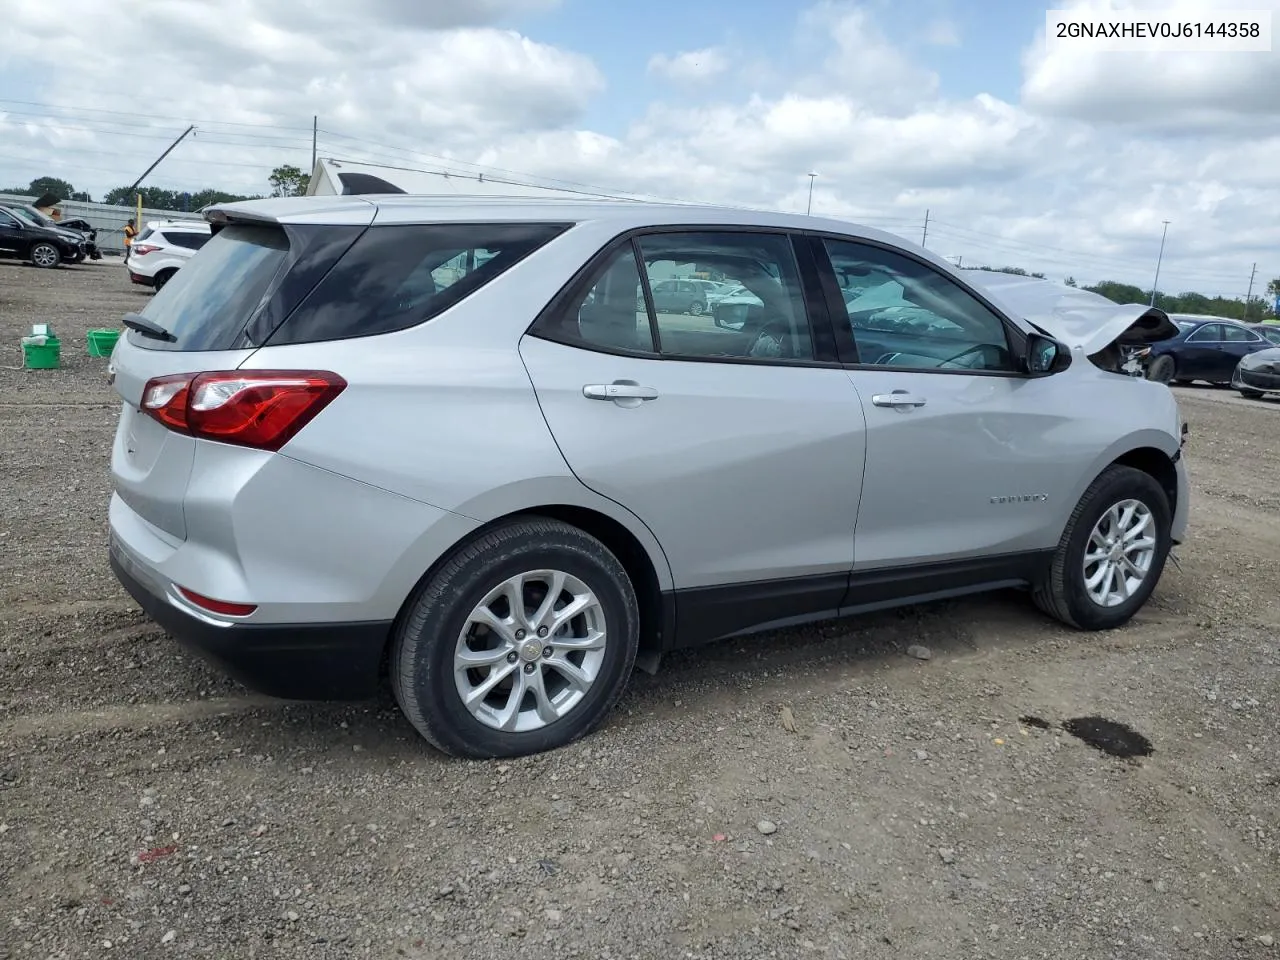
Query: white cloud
{"x":692,"y":66}
{"x":1173,"y":93}
{"x":1041,"y":183}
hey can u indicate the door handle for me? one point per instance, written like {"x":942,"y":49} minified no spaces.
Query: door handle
{"x":899,"y":398}
{"x":619,"y":390}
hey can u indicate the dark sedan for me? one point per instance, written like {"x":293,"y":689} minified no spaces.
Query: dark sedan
{"x":1206,"y":348}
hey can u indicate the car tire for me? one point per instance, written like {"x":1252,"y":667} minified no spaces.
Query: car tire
{"x":1162,"y":369}
{"x":697,"y":308}
{"x":1065,"y":592}
{"x":443,"y":629}
{"x":163,"y":277}
{"x":1251,"y":394}
{"x":45,"y":256}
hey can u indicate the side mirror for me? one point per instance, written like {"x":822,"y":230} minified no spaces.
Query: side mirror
{"x":1045,"y":356}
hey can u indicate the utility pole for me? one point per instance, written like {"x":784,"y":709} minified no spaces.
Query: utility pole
{"x":134,"y":186}
{"x":1248,"y":297}
{"x":1159,"y":258}
{"x":809,"y":209}
{"x":315,"y":123}
{"x":925,"y":235}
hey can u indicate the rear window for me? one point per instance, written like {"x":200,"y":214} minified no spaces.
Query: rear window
{"x":192,"y":241}
{"x":207,"y":302}
{"x":395,"y":277}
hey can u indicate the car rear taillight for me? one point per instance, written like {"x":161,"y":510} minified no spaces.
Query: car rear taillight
{"x":142,"y":249}
{"x":225,"y":607}
{"x":262,"y":409}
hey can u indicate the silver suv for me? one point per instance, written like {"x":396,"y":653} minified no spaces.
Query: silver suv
{"x":437,"y":439}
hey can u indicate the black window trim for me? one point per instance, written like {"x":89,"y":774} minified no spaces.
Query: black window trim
{"x":817,"y":313}
{"x":847,"y":343}
{"x":556,"y":229}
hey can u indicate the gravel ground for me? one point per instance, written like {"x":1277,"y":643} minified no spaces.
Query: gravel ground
{"x":814,"y":793}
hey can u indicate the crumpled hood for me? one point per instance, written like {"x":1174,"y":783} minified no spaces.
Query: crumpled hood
{"x":1076,"y":317}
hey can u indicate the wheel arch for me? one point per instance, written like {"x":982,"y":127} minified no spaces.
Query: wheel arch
{"x":1152,"y":451}
{"x":632,"y":543}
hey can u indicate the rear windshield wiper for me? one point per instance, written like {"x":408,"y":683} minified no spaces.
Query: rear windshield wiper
{"x":148,"y":328}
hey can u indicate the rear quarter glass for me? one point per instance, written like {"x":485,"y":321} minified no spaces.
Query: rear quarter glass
{"x":397,"y":276}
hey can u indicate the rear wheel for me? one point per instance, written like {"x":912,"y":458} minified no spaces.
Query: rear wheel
{"x":1111,"y":554}
{"x":46,"y":256}
{"x":1162,"y":369}
{"x":521,"y":642}
{"x":697,"y":308}
{"x":163,"y":277}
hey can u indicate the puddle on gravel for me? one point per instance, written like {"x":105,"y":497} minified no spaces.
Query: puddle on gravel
{"x":1116,"y":739}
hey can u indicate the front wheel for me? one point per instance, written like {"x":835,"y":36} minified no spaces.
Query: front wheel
{"x":46,"y":256}
{"x":522,"y":642}
{"x":1111,"y":554}
{"x":1251,"y":394}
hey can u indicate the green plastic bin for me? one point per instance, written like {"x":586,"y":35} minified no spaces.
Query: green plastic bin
{"x":42,"y":356}
{"x":102,"y":342}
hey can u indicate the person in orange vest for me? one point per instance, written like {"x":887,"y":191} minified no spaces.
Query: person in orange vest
{"x":130,"y":231}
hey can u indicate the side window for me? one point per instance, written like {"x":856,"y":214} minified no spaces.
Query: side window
{"x":1239,"y":334}
{"x":759,"y":315}
{"x":6,"y":220}
{"x":906,"y":314}
{"x":611,"y":315}
{"x":1209,"y":333}
{"x":398,"y":276}
{"x":1272,"y":335}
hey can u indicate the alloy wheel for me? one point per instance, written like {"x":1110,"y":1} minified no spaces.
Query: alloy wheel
{"x":530,"y":651}
{"x":1119,"y":554}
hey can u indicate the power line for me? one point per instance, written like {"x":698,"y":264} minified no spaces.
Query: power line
{"x":153,"y":116}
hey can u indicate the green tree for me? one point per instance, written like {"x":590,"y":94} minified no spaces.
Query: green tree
{"x":288,"y":181}
{"x":58,"y":187}
{"x":1070,"y":281}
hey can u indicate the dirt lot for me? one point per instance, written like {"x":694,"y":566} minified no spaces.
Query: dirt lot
{"x":148,"y":807}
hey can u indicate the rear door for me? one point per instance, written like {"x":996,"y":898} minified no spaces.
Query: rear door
{"x":742,"y":450}
{"x":1238,"y":342}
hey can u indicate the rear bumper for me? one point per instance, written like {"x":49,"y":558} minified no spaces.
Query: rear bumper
{"x":141,"y":280}
{"x":294,"y":661}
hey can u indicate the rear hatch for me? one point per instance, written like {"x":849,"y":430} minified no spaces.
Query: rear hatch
{"x":210,"y":317}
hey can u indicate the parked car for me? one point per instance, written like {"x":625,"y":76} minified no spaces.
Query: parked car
{"x":45,"y":247}
{"x":162,"y":248}
{"x":1268,"y":331}
{"x":506,"y":490}
{"x":71,"y":230}
{"x":1206,"y":348}
{"x":683,"y":295}
{"x":1258,"y":373}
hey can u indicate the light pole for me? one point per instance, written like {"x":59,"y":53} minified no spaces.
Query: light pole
{"x":1163,"y":234}
{"x":809,"y":209}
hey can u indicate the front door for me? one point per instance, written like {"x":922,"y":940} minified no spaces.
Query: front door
{"x":965,"y":456}
{"x":741,"y":452}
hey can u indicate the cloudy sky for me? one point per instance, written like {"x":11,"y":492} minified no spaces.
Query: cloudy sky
{"x":1060,"y":160}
